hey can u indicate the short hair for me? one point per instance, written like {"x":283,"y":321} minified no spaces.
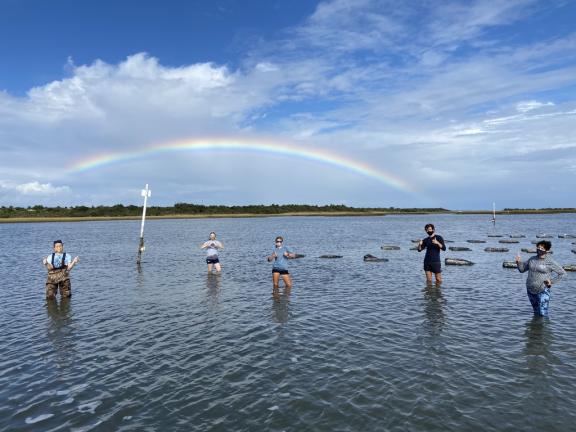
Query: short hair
{"x":544,"y":243}
{"x":58,"y":241}
{"x":429,"y":225}
{"x":279,"y":238}
{"x":212,"y":233}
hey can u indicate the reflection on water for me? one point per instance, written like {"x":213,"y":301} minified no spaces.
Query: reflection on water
{"x":170,"y":347}
{"x":60,"y":330}
{"x":539,"y":337}
{"x":281,"y":305}
{"x":213,"y":281}
{"x":434,"y":308}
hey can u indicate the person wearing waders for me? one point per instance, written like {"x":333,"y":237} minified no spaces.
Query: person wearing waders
{"x":59,"y":264}
{"x":433,"y":245}
{"x":540,"y":280}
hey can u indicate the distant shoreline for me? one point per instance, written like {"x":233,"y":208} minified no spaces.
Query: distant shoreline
{"x":41,"y":219}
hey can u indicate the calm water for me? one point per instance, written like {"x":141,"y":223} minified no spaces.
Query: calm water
{"x":355,"y":347}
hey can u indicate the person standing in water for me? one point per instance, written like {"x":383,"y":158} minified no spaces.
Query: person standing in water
{"x":59,"y":264}
{"x":433,"y":245}
{"x":212,"y":247}
{"x":280,"y":255}
{"x":540,"y":280}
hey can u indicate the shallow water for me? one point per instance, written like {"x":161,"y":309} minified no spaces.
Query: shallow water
{"x":354,"y":346}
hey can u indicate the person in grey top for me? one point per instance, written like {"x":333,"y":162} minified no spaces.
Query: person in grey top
{"x":540,"y":280}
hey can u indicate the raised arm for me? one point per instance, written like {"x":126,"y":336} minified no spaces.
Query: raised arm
{"x":75,"y":261}
{"x":522,"y":265}
{"x":421,"y":246}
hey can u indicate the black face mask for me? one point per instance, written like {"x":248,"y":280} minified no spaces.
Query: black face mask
{"x":429,"y":232}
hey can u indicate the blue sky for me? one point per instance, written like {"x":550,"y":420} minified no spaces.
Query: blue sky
{"x":469,"y":102}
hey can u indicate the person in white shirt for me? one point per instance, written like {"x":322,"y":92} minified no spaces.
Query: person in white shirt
{"x":212,"y":247}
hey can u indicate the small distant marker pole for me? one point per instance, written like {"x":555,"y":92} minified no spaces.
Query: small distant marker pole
{"x":494,"y":213}
{"x":146,"y":194}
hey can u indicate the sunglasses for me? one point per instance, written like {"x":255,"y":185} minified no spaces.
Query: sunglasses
{"x":278,"y":241}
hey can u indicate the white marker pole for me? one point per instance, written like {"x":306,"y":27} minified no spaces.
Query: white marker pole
{"x":145,"y":193}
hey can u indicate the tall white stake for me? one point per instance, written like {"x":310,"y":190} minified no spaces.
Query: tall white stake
{"x":146,"y":193}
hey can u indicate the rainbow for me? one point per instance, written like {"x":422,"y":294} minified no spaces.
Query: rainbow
{"x":245,"y":145}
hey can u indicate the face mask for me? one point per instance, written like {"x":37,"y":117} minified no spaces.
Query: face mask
{"x":429,"y":232}
{"x":540,"y":252}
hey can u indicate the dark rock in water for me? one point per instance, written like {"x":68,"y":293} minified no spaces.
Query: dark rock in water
{"x":330,"y":256}
{"x":372,"y":258}
{"x":509,"y":264}
{"x":459,"y":249}
{"x":566,"y":236}
{"x":541,"y":236}
{"x":535,"y":241}
{"x":414,"y":248}
{"x":299,"y":256}
{"x":569,"y":267}
{"x":528,"y":250}
{"x":448,"y":241}
{"x":494,"y":235}
{"x":458,"y":262}
{"x":390,"y":247}
{"x":493,"y":249}
{"x":415,"y":240}
{"x":517,"y":236}
{"x":573,"y":251}
{"x":508,"y":241}
{"x":476,"y":241}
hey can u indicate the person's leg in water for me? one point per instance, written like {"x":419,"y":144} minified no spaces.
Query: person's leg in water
{"x":287,"y":281}
{"x":209,"y":267}
{"x":218,"y":267}
{"x":275,"y":279}
{"x":428,"y":277}
{"x":540,"y":302}
{"x":438,"y":278}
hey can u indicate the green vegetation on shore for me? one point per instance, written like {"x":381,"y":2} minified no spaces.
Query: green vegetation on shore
{"x":184,"y":210}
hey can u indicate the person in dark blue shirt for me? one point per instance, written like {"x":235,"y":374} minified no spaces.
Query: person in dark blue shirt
{"x":433,"y":245}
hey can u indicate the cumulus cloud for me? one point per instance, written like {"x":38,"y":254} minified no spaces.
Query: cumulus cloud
{"x":417,"y":89}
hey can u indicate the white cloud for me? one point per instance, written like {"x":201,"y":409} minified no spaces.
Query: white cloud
{"x":40,"y":188}
{"x":423,"y":90}
{"x":526,"y":106}
{"x":34,"y":188}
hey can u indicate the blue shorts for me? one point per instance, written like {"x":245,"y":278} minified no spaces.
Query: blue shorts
{"x":540,"y":302}
{"x":434,"y":267}
{"x":282,"y":272}
{"x":212,"y":260}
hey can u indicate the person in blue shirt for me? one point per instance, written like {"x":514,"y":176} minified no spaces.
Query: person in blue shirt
{"x":433,"y":245}
{"x":59,"y":264}
{"x":279,"y":256}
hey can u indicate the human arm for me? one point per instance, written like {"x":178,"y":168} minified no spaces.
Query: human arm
{"x":560,"y":273}
{"x":72,"y":263}
{"x":47,"y":264}
{"x":421,"y":245}
{"x":439,"y":242}
{"x":522,"y":265}
{"x":272,"y":256}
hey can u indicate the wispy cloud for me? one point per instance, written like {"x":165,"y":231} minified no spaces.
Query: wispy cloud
{"x":435,"y":91}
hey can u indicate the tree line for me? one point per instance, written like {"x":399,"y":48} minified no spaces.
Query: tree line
{"x":120,"y":210}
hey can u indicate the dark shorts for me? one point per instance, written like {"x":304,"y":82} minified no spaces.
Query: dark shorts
{"x":282,"y":272}
{"x":434,"y":267}
{"x":212,"y":260}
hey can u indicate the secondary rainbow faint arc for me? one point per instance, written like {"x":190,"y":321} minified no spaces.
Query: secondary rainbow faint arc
{"x":281,"y":149}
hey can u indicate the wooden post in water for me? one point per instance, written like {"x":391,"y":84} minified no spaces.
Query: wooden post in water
{"x":146,"y":194}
